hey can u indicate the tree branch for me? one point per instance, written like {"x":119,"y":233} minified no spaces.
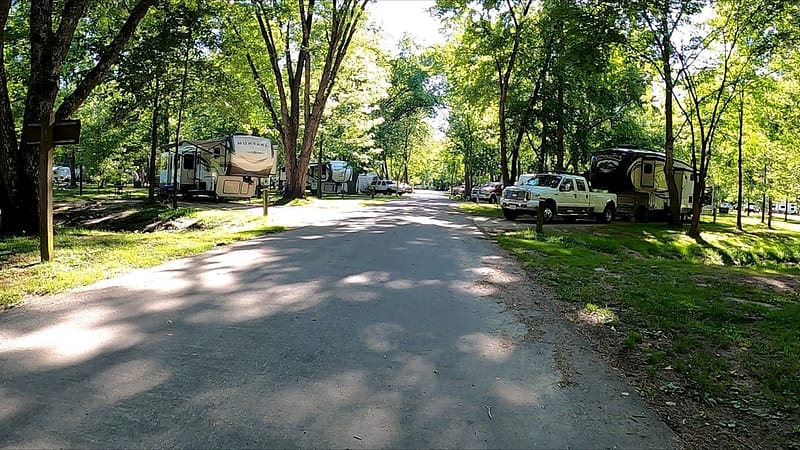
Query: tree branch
{"x":107,"y":59}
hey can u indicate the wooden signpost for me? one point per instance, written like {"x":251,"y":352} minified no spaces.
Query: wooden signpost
{"x":48,"y":134}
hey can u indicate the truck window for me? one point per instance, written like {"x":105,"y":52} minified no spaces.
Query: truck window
{"x":566,"y":186}
{"x":581,"y":185}
{"x":550,"y":181}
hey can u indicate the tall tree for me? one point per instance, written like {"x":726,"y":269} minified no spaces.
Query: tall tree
{"x":51,"y":35}
{"x":497,"y":29}
{"x":713,"y":66}
{"x":411,"y":99}
{"x":655,"y":24}
{"x":293,"y":37}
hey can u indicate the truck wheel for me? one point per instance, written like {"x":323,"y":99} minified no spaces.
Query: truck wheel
{"x":607,"y":216}
{"x":510,"y":214}
{"x":549,"y":212}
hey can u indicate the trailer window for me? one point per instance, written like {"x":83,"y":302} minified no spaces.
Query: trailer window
{"x":188,"y":162}
{"x":648,"y":169}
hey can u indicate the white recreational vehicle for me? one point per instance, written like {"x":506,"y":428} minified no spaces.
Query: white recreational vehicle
{"x":365,"y":180}
{"x":637,"y":177}
{"x":226,"y":167}
{"x":784,"y":207}
{"x":337,"y":178}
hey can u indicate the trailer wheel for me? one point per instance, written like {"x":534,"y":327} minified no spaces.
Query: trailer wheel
{"x":510,"y":214}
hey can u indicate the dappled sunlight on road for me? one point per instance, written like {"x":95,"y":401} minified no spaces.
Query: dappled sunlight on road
{"x":165,"y":305}
{"x":366,"y":278}
{"x":316,"y":337}
{"x":381,"y":337}
{"x":335,"y":409}
{"x":517,"y":393}
{"x":9,"y":404}
{"x":493,"y":348}
{"x":77,"y":337}
{"x":127,"y":380}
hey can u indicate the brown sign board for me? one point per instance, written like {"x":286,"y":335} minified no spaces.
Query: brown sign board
{"x":65,"y":132}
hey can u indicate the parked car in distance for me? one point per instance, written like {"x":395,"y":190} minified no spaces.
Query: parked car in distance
{"x":405,"y":188}
{"x":61,"y":174}
{"x":458,"y":191}
{"x":385,"y":187}
{"x":753,"y":208}
{"x":489,"y":192}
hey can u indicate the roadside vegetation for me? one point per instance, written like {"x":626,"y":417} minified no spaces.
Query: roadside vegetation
{"x":110,"y":242}
{"x":708,"y":329}
{"x":105,"y":232}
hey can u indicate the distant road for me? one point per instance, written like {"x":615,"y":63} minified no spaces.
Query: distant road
{"x":392,"y":326}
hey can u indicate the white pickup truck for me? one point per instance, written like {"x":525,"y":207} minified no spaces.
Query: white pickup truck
{"x":568,"y":196}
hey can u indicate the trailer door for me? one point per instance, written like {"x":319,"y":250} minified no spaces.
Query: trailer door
{"x":187,"y":169}
{"x":648,"y":174}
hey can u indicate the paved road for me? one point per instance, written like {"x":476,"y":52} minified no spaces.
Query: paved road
{"x":392,"y":326}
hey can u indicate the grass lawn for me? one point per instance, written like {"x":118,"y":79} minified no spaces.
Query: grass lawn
{"x":102,"y":236}
{"x":715,"y":320}
{"x":85,"y":256}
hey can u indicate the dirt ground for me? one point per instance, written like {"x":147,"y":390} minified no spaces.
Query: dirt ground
{"x":125,"y":214}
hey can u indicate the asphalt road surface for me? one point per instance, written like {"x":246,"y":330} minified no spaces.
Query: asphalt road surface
{"x":392,"y":326}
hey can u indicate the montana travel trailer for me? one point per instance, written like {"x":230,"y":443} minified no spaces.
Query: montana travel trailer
{"x":638,"y":179}
{"x":226,"y":167}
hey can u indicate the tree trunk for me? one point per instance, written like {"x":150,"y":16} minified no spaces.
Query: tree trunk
{"x":697,"y":207}
{"x":560,"y":127}
{"x":19,"y":196}
{"x":769,"y":215}
{"x":151,"y":173}
{"x":503,"y":131}
{"x":764,"y":195}
{"x":739,"y":163}
{"x":73,"y":181}
{"x":669,"y":138}
{"x":8,"y":140}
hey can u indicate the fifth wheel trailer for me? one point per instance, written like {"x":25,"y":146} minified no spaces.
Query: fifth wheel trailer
{"x":637,"y":177}
{"x":225,"y":167}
